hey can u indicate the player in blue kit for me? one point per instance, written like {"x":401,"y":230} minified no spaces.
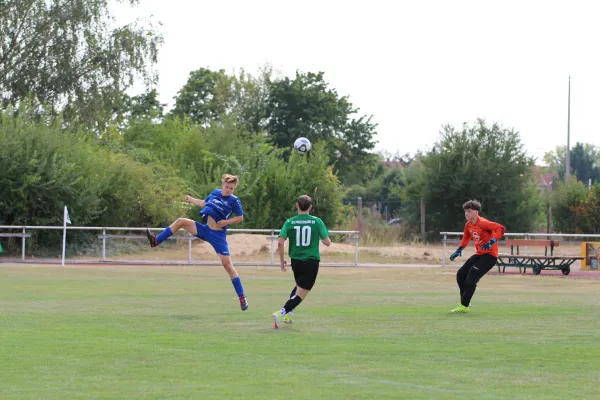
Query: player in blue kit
{"x":216,"y":214}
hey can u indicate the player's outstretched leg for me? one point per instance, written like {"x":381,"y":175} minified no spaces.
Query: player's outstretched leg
{"x":181,"y":223}
{"x":152,"y":238}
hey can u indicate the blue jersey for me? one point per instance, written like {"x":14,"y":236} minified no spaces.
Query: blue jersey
{"x":220,"y":207}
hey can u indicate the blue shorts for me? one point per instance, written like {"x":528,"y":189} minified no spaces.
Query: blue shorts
{"x":218,"y":239}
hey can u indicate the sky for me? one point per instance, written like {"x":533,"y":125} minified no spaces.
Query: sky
{"x":414,"y":65}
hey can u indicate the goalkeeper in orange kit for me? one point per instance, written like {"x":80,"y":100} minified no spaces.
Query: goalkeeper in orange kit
{"x":485,"y":235}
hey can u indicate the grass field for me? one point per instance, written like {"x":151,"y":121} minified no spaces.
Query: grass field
{"x":382,"y":333}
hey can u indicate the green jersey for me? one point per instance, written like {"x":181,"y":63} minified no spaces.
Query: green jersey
{"x":304,"y":232}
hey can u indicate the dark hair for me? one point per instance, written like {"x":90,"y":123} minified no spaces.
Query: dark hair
{"x":472,"y":205}
{"x":304,"y":202}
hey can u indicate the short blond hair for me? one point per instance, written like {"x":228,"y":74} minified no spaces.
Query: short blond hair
{"x":227,"y":178}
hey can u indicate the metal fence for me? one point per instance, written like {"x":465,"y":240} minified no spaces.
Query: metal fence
{"x":558,"y":236}
{"x":24,"y":232}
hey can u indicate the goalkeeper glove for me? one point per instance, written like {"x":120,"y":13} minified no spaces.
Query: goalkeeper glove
{"x":489,"y":244}
{"x":457,"y":253}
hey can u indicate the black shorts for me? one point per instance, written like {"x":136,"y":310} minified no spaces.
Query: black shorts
{"x":476,"y":267}
{"x":305,"y":273}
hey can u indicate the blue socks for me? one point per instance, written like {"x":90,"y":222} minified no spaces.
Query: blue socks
{"x":237,"y":284}
{"x":164,"y":235}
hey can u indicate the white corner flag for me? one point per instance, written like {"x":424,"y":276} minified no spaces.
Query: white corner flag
{"x":66,"y":220}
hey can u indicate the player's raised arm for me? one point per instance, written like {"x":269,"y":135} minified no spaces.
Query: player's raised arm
{"x":497,"y":230}
{"x":195,"y":201}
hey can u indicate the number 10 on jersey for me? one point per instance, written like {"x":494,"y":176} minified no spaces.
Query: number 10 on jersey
{"x":303,"y":235}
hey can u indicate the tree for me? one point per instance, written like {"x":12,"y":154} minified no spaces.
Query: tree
{"x":205,"y":97}
{"x":584,"y":159}
{"x":487,"y":163}
{"x":575,"y":207}
{"x":65,"y":55}
{"x":555,"y":160}
{"x":584,"y":162}
{"x":145,"y":105}
{"x":210,"y":96}
{"x":306,"y":106}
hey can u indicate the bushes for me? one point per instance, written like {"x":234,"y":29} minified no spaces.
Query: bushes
{"x":268,"y":185}
{"x":45,"y":168}
{"x":576,"y":208}
{"x":140,"y":178}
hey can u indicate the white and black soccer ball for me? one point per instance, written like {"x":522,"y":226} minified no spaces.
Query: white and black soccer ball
{"x":302,"y":145}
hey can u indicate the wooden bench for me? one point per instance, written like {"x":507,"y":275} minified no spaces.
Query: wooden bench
{"x":536,"y":262}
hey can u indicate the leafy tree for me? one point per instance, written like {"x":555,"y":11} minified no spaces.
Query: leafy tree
{"x":306,"y":106}
{"x":145,"y":105}
{"x":575,"y":208}
{"x":487,"y":163}
{"x":584,"y":162}
{"x":588,"y":212}
{"x":584,"y":159}
{"x":285,"y":109}
{"x":65,"y":54}
{"x":210,"y":96}
{"x":205,"y":97}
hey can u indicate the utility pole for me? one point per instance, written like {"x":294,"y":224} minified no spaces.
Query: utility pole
{"x":568,"y":165}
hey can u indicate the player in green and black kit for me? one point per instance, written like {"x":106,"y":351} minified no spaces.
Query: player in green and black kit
{"x":304,"y":232}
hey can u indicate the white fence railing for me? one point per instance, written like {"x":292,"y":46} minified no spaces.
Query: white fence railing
{"x":24,"y":232}
{"x":523,"y":235}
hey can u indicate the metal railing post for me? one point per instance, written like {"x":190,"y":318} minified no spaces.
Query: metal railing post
{"x":444,"y":254}
{"x":272,"y":251}
{"x":356,"y":250}
{"x":103,"y":244}
{"x":23,"y":245}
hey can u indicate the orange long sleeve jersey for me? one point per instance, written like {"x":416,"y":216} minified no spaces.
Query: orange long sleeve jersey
{"x":482,"y":232}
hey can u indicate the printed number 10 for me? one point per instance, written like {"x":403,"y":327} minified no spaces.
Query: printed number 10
{"x":303,"y":235}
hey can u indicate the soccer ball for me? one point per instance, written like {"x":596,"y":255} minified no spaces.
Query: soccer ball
{"x":302,"y":145}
